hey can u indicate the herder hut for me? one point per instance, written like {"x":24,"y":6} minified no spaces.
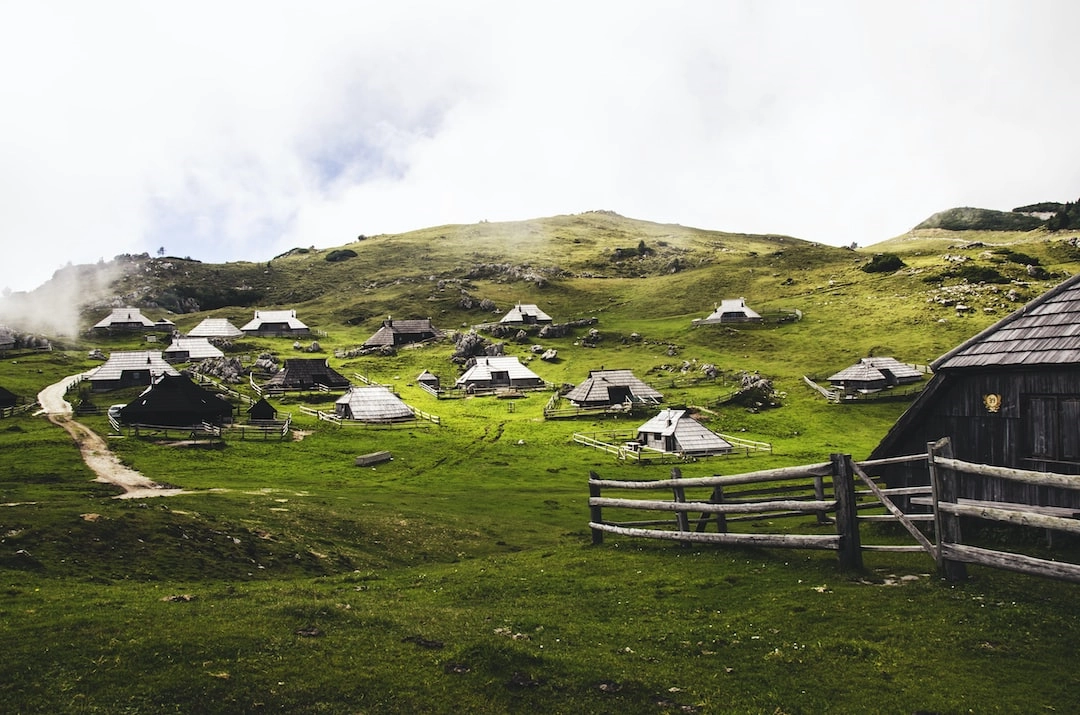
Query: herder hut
{"x":1009,"y":396}
{"x":275,"y":323}
{"x":609,"y":388}
{"x":215,"y":329}
{"x":526,"y":314}
{"x":261,"y":411}
{"x":124,"y":320}
{"x":491,"y":373}
{"x":176,"y":401}
{"x":372,"y":403}
{"x":676,"y":431}
{"x":7,"y":398}
{"x":402,"y":332}
{"x":429,"y":381}
{"x":731,"y":310}
{"x":129,"y":368}
{"x":871,"y":374}
{"x":191,"y":350}
{"x":306,"y":374}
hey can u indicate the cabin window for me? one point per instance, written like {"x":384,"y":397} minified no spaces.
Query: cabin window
{"x":1052,"y":426}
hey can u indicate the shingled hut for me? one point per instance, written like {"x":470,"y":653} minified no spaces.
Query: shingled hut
{"x":526,"y":314}
{"x":1009,"y":396}
{"x":262,"y":411}
{"x":676,"y":431}
{"x":7,"y":398}
{"x":871,"y":374}
{"x":124,"y":320}
{"x":372,"y":403}
{"x":492,"y":373}
{"x":215,"y":329}
{"x":176,"y":401}
{"x":129,"y":368}
{"x":394,"y":333}
{"x":191,"y":350}
{"x":610,"y":388}
{"x":275,"y":323}
{"x":306,"y":374}
{"x":731,"y":310}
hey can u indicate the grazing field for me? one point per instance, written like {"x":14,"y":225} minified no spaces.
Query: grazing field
{"x":460,"y":575}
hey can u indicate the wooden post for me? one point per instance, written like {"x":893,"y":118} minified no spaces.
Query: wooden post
{"x":595,"y":515}
{"x":847,"y":523}
{"x":944,"y":486}
{"x":681,"y":517}
{"x":721,"y":518}
{"x":819,"y":494}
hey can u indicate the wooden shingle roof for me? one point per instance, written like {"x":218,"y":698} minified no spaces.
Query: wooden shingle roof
{"x":124,"y":316}
{"x":483,"y":367}
{"x":195,"y":348}
{"x":375,"y":403}
{"x":215,"y":328}
{"x":124,"y":361}
{"x":305,"y":373}
{"x":397,"y":332}
{"x":284,"y":317}
{"x":595,"y":387}
{"x":1045,"y":331}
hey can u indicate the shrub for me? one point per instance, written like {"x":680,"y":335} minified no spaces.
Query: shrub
{"x":883,"y":263}
{"x":343,"y":254}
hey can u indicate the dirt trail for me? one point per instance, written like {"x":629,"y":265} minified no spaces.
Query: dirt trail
{"x":95,"y":451}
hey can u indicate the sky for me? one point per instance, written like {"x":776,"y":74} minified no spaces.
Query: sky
{"x":237,"y":130}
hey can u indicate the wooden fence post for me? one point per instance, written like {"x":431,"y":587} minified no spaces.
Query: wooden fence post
{"x":595,"y":515}
{"x":819,"y":494}
{"x":847,"y":524}
{"x":721,"y":518}
{"x":682,"y":519}
{"x":945,"y":486}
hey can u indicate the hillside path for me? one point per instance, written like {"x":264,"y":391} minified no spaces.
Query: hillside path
{"x":95,"y":452}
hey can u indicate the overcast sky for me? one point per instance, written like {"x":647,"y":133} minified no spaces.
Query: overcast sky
{"x":234,"y":131}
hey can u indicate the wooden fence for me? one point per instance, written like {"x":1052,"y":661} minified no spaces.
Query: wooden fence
{"x":841,"y":492}
{"x":616,"y":442}
{"x":17,"y":410}
{"x":341,"y":422}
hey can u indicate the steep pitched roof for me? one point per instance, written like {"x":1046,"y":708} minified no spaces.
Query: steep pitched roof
{"x":691,"y":435}
{"x":596,"y":386}
{"x":1046,"y":331}
{"x":303,"y":373}
{"x":288,"y":317}
{"x":125,"y":361}
{"x":483,"y":367}
{"x":175,"y":400}
{"x":124,"y":316}
{"x":196,"y":348}
{"x":396,"y":332}
{"x":524,"y":313}
{"x":374,"y":403}
{"x":7,"y":397}
{"x":215,"y":328}
{"x":732,"y":310}
{"x":859,"y":372}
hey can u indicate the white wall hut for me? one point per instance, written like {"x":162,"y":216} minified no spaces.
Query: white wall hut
{"x":731,"y":310}
{"x":526,"y":314}
{"x":676,"y":431}
{"x":372,"y":403}
{"x":191,"y":350}
{"x":497,"y":372}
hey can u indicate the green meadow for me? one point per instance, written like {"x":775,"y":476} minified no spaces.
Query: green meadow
{"x":460,"y":576}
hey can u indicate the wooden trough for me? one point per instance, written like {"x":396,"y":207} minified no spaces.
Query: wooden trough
{"x":366,"y":460}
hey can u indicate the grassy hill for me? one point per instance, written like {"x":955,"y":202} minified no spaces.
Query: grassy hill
{"x":460,"y":575}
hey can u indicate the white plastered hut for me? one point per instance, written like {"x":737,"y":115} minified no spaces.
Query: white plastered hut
{"x":676,"y":431}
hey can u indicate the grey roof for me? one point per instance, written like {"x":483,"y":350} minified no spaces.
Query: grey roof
{"x":196,"y":348}
{"x":306,"y":373}
{"x":525,"y":312}
{"x":901,"y":371}
{"x":124,"y":316}
{"x":215,"y":328}
{"x":732,"y":310}
{"x":373,"y":403}
{"x":287,"y":317}
{"x":859,"y":372}
{"x":691,"y":435}
{"x":595,"y":387}
{"x":397,"y":332}
{"x":1046,"y":331}
{"x":125,"y":361}
{"x":482,"y":369}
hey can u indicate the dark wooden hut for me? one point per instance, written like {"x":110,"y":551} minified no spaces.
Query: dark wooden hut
{"x":402,"y":332}
{"x":1010,"y":396}
{"x":608,"y":388}
{"x":307,"y":374}
{"x":262,"y":411}
{"x":176,"y":401}
{"x":7,"y":398}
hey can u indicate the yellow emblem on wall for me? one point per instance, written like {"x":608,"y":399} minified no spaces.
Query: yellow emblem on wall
{"x":992,"y":402}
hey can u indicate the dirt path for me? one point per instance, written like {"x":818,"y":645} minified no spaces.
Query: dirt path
{"x":95,"y":451}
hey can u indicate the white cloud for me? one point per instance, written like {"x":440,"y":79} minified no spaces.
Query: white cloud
{"x":237,"y":130}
